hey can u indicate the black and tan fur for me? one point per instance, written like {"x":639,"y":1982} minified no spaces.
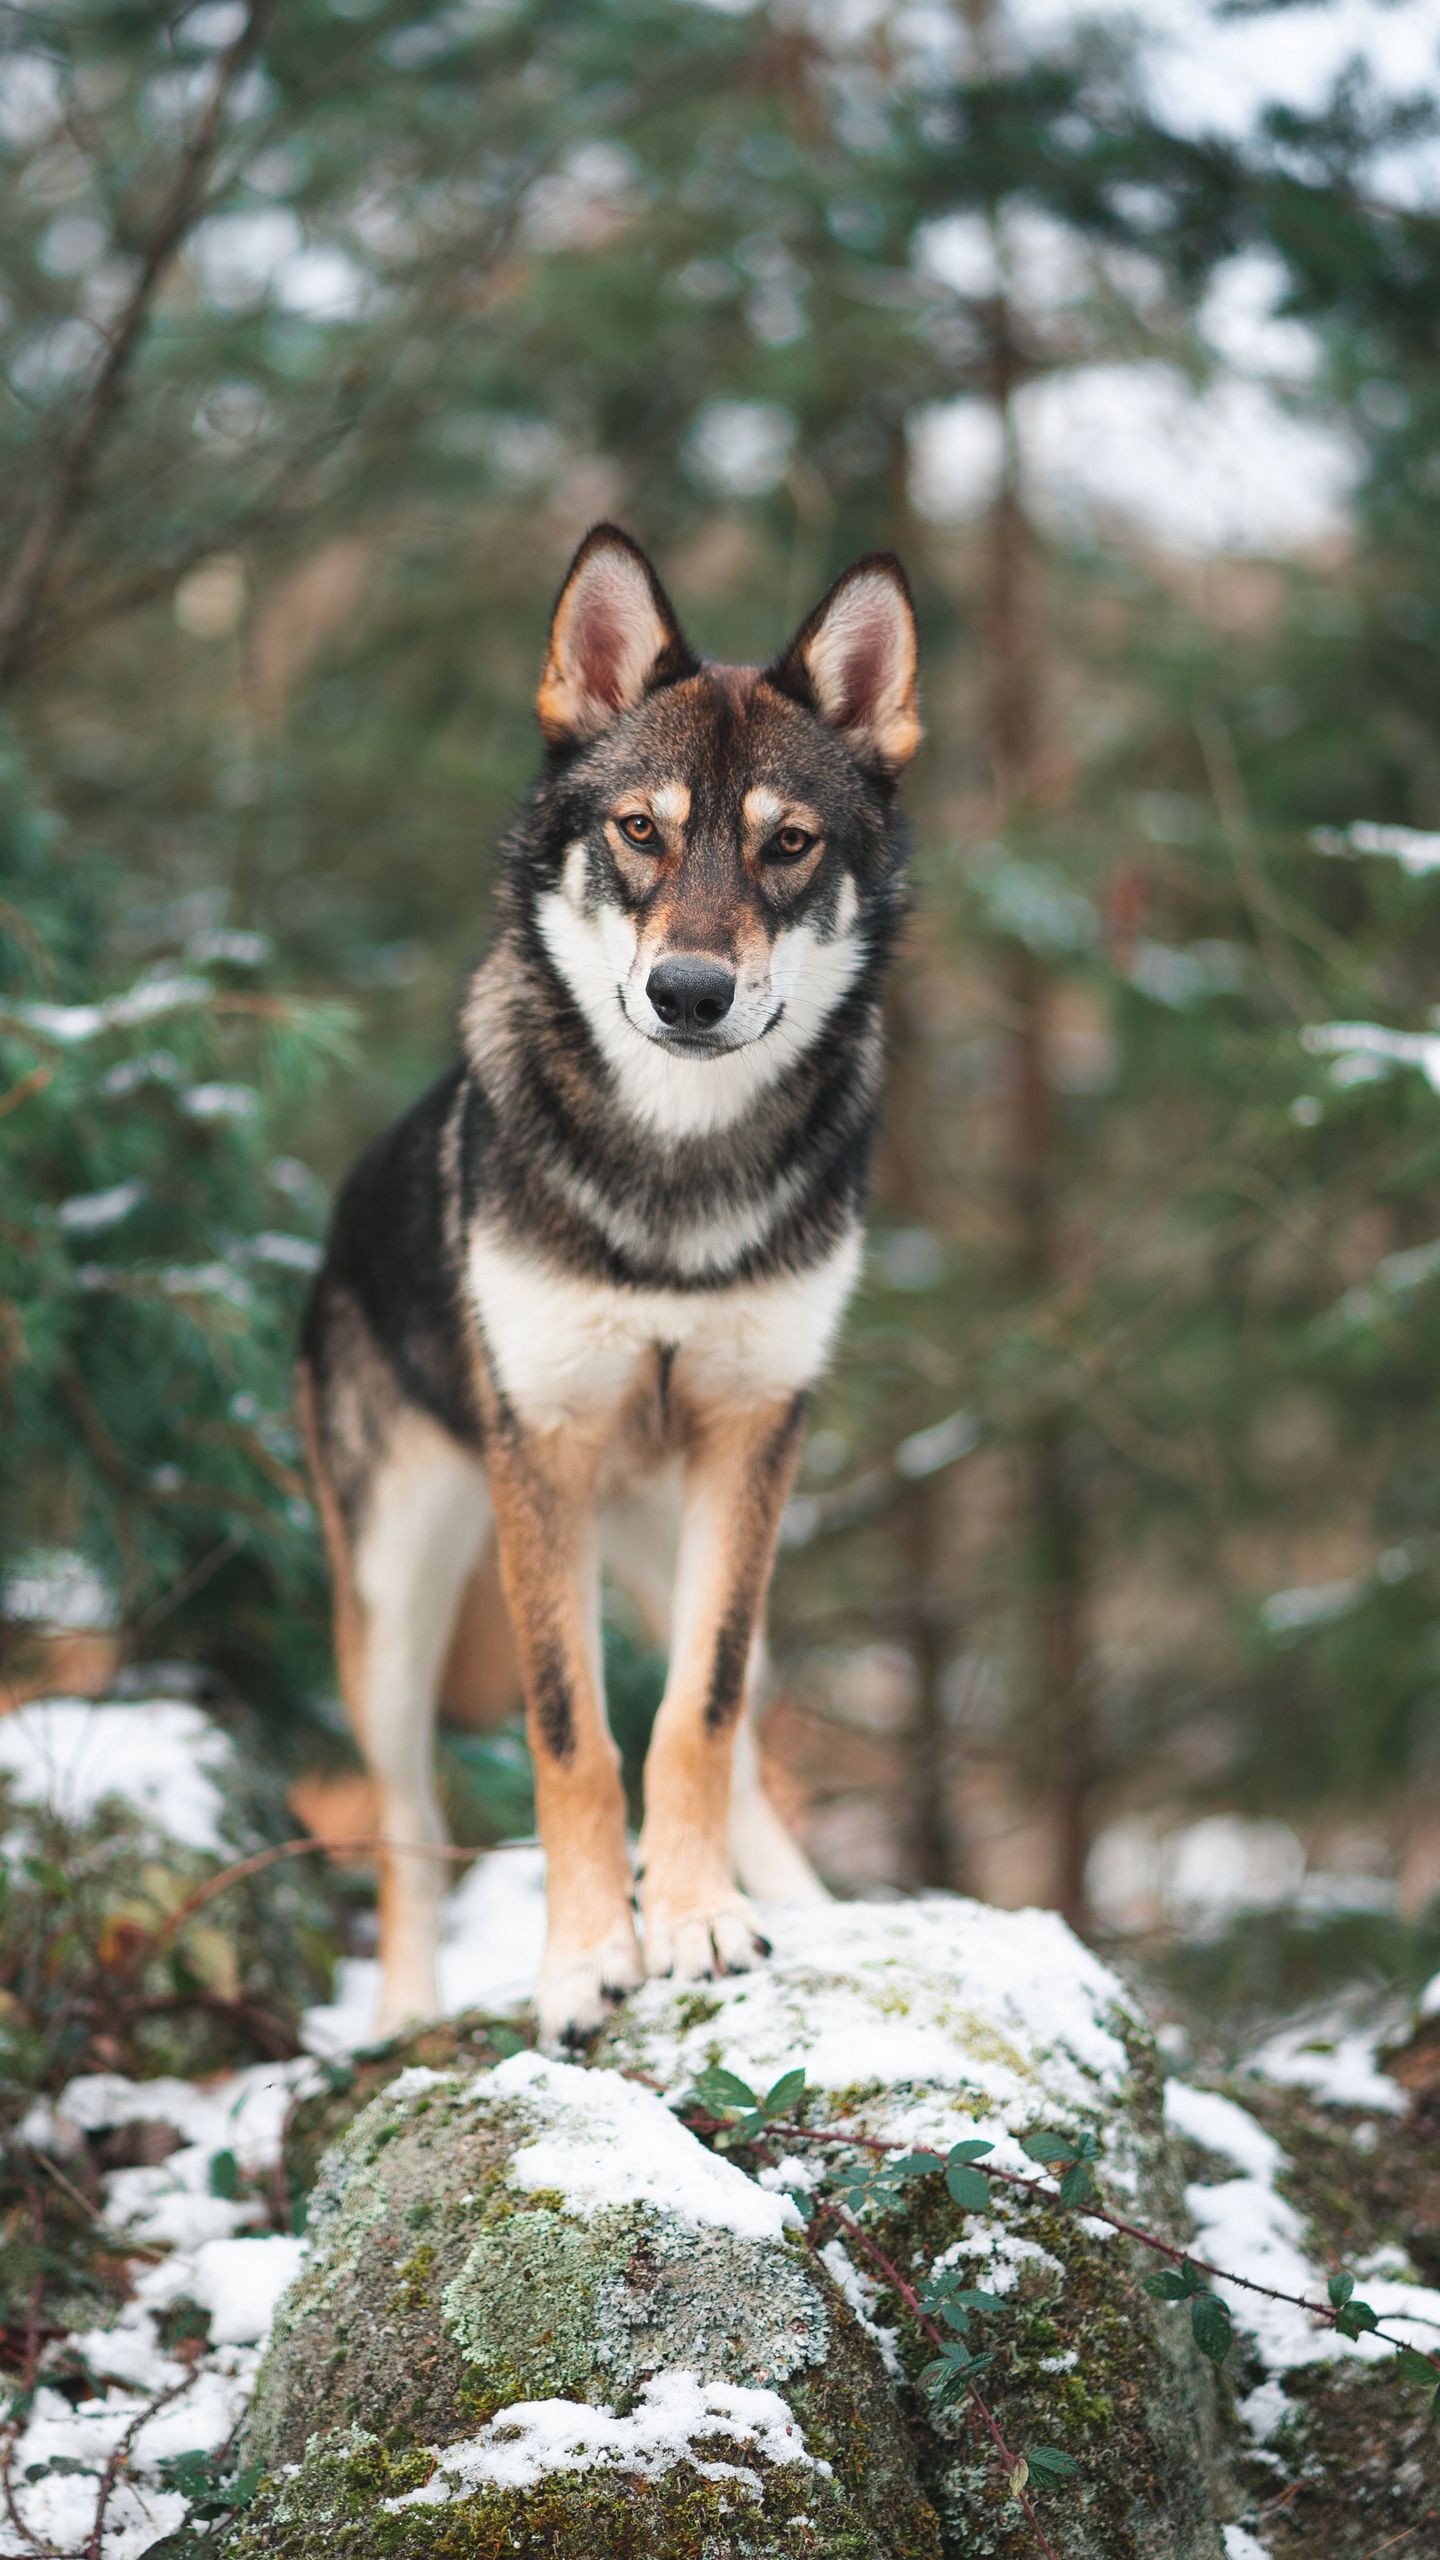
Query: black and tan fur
{"x":574,"y":1302}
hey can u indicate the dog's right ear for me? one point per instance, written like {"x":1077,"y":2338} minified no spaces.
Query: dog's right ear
{"x":613,"y":639}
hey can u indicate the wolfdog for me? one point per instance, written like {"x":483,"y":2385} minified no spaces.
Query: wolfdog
{"x":574,"y":1303}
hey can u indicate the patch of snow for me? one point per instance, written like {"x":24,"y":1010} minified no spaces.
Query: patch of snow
{"x":1226,"y":1864}
{"x":220,"y":1102}
{"x":1001,"y":2254}
{"x":240,"y":2281}
{"x":1198,"y":1875}
{"x":1264,"y":2410}
{"x":164,"y":1757}
{"x":1373,"y":1042}
{"x":1311,"y":1604}
{"x":609,"y":2142}
{"x":1218,"y":2125}
{"x":54,"y":1587}
{"x":864,"y":2297}
{"x":234,"y":2274}
{"x":1241,"y":2545}
{"x":285,"y":1253}
{"x":1415,"y":851}
{"x":1341,"y":2070}
{"x":675,"y":2411}
{"x":161,"y":992}
{"x":89,"y":1213}
{"x":1245,"y":2224}
{"x":230,"y":943}
{"x":1429,"y":2002}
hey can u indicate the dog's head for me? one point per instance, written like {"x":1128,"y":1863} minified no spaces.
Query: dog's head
{"x":715,"y":848}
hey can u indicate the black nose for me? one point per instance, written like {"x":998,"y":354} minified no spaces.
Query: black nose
{"x":691,"y":994}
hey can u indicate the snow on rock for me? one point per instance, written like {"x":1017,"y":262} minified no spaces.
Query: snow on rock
{"x":674,"y":2412}
{"x":954,"y":2010}
{"x":609,"y":2142}
{"x":637,"y":2320}
{"x":165,"y":1758}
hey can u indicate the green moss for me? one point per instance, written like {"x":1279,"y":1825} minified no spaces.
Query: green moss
{"x":1082,"y":2363}
{"x":336,"y":2503}
{"x":464,"y":2043}
{"x":511,"y":2296}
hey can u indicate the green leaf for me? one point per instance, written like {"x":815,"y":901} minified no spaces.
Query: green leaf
{"x":1340,"y":2289}
{"x":962,"y":2151}
{"x":506,"y":2042}
{"x":225,"y":2175}
{"x":1173,"y":2285}
{"x":1214,"y":2330}
{"x":723,"y":2089}
{"x":1050,"y":2147}
{"x":955,"y":2316}
{"x":787,"y":2092}
{"x":916,"y":2164}
{"x":1416,"y":2368}
{"x":1353,"y":2319}
{"x":969,"y":2187}
{"x":1078,"y":2183}
{"x":1048,"y":2463}
{"x":975,"y":2299}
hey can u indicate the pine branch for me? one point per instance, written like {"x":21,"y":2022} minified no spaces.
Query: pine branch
{"x":27,"y":583}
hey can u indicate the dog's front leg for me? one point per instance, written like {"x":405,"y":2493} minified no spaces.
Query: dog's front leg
{"x":739,"y":1468}
{"x":543,"y":1488}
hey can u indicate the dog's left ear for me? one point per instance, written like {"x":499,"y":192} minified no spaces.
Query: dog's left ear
{"x":856,"y":662}
{"x":613,"y":639}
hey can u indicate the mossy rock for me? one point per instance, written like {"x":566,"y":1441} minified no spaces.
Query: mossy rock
{"x":110,"y":1815}
{"x":537,"y":2315}
{"x":924,"y":2024}
{"x":1349,"y":2460}
{"x":471,"y":2041}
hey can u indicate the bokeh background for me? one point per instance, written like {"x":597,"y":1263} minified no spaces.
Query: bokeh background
{"x":325,"y":330}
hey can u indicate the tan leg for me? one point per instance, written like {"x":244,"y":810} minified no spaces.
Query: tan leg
{"x":396,"y":1588}
{"x":738,"y":1472}
{"x":427,"y":1517}
{"x":543,"y":1489}
{"x":769,"y":1860}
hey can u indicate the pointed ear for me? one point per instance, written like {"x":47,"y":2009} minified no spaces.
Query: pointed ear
{"x":613,"y":638}
{"x":855,"y":662}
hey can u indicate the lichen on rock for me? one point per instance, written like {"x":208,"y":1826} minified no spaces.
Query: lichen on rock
{"x":542,"y":2258}
{"x":921,"y":2024}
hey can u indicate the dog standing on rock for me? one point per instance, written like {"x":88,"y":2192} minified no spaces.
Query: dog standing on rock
{"x":574,"y":1302}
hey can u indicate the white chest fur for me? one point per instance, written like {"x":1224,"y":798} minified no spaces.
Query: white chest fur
{"x":563,"y":1346}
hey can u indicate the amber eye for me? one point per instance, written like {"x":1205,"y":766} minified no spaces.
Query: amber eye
{"x":790,"y":844}
{"x":637,"y":828}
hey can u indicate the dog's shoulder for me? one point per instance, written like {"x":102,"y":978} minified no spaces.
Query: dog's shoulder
{"x":395,"y":1250}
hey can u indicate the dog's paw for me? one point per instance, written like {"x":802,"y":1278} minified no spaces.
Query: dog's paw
{"x":694,"y":1945}
{"x":579,"y":1987}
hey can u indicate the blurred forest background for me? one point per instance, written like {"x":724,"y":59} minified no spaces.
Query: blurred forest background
{"x":325,"y":330}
